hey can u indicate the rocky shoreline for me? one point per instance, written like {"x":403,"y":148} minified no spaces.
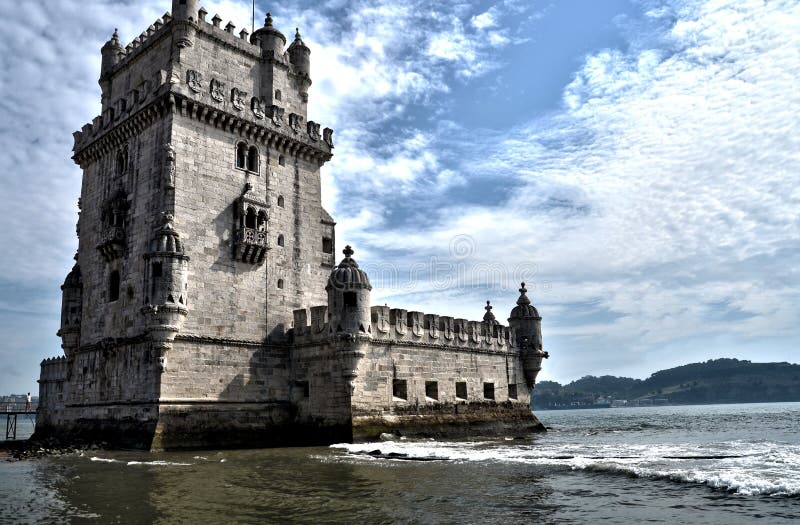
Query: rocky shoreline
{"x":36,"y":449}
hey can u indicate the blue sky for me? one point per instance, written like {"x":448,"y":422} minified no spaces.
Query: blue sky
{"x":636,"y":162}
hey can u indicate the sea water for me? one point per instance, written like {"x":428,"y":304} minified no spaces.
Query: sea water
{"x":700,"y":464}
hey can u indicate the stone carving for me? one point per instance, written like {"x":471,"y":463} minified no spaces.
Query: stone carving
{"x":217,"y":90}
{"x":195,"y":80}
{"x":313,"y":130}
{"x":238,"y":99}
{"x":259,"y":107}
{"x":169,"y":153}
{"x":276,"y":114}
{"x":295,"y":122}
{"x":327,"y":137}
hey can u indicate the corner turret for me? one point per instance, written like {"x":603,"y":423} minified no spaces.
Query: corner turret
{"x":166,"y":278}
{"x":349,"y":298}
{"x":300,"y":55}
{"x":270,"y":39}
{"x":185,"y":10}
{"x":112,"y":52}
{"x":184,"y":18}
{"x":527,"y":326}
{"x":71,"y":305}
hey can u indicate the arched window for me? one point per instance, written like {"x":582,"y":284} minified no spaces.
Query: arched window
{"x":122,"y":161}
{"x":281,"y":201}
{"x":262,"y":221}
{"x":281,"y":160}
{"x":241,"y":155}
{"x":280,"y":240}
{"x":252,"y":159}
{"x":113,"y":286}
{"x":277,"y":94}
{"x":280,"y":284}
{"x":250,"y":218}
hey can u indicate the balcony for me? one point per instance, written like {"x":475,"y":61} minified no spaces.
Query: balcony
{"x":251,"y":245}
{"x":112,"y":242}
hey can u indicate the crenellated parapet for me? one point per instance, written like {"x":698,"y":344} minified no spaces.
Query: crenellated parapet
{"x":54,"y":369}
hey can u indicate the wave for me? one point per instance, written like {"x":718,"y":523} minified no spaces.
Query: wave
{"x":750,"y":469}
{"x":130,"y":463}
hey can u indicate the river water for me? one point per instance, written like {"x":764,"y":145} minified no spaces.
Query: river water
{"x":701,"y":464}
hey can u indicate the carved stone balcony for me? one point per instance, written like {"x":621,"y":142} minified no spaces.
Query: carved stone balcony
{"x":112,"y":242}
{"x":251,"y":245}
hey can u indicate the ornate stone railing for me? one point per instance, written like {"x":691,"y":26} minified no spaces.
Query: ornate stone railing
{"x":251,"y":245}
{"x":112,"y":242}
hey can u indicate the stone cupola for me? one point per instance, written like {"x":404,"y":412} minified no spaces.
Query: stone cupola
{"x":527,"y":326}
{"x":300,"y":55}
{"x":349,"y":297}
{"x":71,"y":308}
{"x":270,"y":39}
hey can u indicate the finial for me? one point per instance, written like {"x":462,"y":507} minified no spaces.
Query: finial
{"x":268,"y":21}
{"x":115,"y":36}
{"x":488,"y":316}
{"x":523,"y":290}
{"x":348,"y":251}
{"x":523,"y":299}
{"x":297,"y":33}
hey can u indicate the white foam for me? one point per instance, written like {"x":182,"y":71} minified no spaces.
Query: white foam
{"x":160,"y":463}
{"x":103,"y":460}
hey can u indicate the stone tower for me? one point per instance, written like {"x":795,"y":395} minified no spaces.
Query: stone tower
{"x":204,"y":247}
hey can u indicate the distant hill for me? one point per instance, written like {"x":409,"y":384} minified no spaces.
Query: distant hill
{"x":715,"y":381}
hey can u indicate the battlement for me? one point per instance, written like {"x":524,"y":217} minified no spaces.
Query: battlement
{"x":399,"y":326}
{"x":54,"y":369}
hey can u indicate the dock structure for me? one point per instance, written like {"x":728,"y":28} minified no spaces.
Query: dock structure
{"x":11,"y":414}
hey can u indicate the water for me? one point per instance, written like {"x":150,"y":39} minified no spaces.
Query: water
{"x":705,"y":464}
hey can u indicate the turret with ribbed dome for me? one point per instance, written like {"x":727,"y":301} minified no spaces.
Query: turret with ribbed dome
{"x":269,"y":38}
{"x":166,"y":301}
{"x":349,"y":297}
{"x":527,"y":326}
{"x":71,"y":305}
{"x":300,"y":55}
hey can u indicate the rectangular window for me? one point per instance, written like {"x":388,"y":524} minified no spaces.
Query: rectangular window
{"x":512,"y":391}
{"x":399,"y":389}
{"x":350,"y":299}
{"x":432,"y":389}
{"x":461,"y":390}
{"x":327,"y":245}
{"x":488,"y":390}
{"x":302,"y":388}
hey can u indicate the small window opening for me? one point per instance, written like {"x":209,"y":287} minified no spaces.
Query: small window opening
{"x":280,"y":240}
{"x":277,"y":94}
{"x":461,"y":390}
{"x":282,"y":160}
{"x":157,"y":270}
{"x":122,"y":162}
{"x":302,"y":387}
{"x":327,"y":245}
{"x":432,"y":389}
{"x":241,"y":155}
{"x":280,"y":284}
{"x":400,"y":389}
{"x":512,"y":391}
{"x":250,"y":218}
{"x":350,"y":299}
{"x":252,"y":159}
{"x":113,"y":286}
{"x":488,"y":390}
{"x":183,"y":2}
{"x":281,"y":201}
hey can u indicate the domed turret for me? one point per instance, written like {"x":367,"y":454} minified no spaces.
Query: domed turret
{"x":270,"y":38}
{"x":527,"y":326}
{"x":167,"y":283}
{"x":111,"y":52}
{"x":185,"y":9}
{"x":300,"y":55}
{"x":184,"y":18}
{"x":348,"y":297}
{"x":71,"y":309}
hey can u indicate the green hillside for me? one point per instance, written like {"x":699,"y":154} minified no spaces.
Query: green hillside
{"x":715,"y":381}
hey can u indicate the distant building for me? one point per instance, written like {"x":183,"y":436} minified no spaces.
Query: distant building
{"x":205,"y":307}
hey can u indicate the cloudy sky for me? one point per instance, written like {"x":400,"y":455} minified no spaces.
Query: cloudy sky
{"x":636,"y":162}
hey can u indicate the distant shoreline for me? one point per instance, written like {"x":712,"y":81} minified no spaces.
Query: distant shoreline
{"x":604,"y":407}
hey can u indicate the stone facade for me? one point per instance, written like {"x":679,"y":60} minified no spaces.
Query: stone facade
{"x":205,"y":307}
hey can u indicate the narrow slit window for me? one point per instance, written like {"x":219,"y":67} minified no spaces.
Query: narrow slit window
{"x":327,"y":245}
{"x":282,"y":160}
{"x":350,"y":299}
{"x":280,"y":240}
{"x":113,"y":286}
{"x":281,"y":201}
{"x":280,"y":284}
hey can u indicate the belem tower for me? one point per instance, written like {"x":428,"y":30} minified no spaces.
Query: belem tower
{"x":205,"y":307}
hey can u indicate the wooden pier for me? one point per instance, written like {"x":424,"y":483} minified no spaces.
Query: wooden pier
{"x":11,"y":420}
